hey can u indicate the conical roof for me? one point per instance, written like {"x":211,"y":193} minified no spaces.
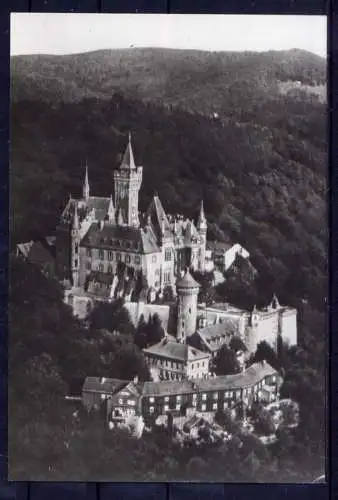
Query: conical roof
{"x":187,"y":282}
{"x":128,"y":157}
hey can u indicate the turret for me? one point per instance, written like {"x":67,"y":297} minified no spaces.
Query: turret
{"x":187,"y":291}
{"x":202,"y":227}
{"x":86,"y":189}
{"x":75,"y":241}
{"x":111,"y":211}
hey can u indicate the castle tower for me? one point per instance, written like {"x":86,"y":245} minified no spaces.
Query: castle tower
{"x":75,"y":240}
{"x":187,"y":291}
{"x":127,"y":183}
{"x":86,"y":189}
{"x":202,"y":229}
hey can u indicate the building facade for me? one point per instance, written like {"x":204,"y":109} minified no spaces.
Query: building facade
{"x":109,"y":236}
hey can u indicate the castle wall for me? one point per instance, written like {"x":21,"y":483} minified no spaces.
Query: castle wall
{"x":288,"y":326}
{"x":267,"y":328}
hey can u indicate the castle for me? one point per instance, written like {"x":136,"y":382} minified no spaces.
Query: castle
{"x":101,"y":238}
{"x":105,"y":248}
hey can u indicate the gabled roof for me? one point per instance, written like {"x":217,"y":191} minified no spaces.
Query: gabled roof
{"x":158,"y":217}
{"x":219,"y":245}
{"x":251,"y":376}
{"x":103,"y":385}
{"x":221,"y":332}
{"x":98,"y":203}
{"x":36,"y":253}
{"x":175,"y":351}
{"x":124,"y":238}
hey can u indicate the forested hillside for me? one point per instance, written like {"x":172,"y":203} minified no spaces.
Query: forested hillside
{"x":263,"y":184}
{"x":198,"y":81}
{"x":204,"y":126}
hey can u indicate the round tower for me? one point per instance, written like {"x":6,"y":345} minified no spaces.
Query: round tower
{"x":187,"y":292}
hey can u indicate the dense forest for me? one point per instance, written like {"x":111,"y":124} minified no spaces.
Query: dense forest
{"x":204,"y":126}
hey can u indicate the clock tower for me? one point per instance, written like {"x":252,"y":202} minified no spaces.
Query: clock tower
{"x":127,"y":183}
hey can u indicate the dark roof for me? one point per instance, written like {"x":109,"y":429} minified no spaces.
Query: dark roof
{"x":175,"y":350}
{"x":187,"y":282}
{"x":214,"y":336}
{"x":128,"y":157}
{"x":248,"y":378}
{"x":36,"y":253}
{"x":103,"y":385}
{"x":124,"y":238}
{"x":158,"y":218}
{"x":218,"y":245}
{"x":98,"y":203}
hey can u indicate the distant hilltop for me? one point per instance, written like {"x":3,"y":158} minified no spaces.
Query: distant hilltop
{"x":198,"y":81}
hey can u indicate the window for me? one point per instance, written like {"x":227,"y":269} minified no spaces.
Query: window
{"x":88,"y":252}
{"x":192,"y":366}
{"x":75,"y":262}
{"x":166,"y":398}
{"x":76,"y":248}
{"x":110,"y":255}
{"x":204,"y":397}
{"x":215,"y":395}
{"x":151,"y":400}
{"x":167,"y":254}
{"x":100,"y":268}
{"x":151,"y":409}
{"x":238,"y":394}
{"x":194,"y":396}
{"x":118,"y":256}
{"x":204,"y":407}
{"x":153,"y":259}
{"x":103,"y":396}
{"x":137,"y":259}
{"x":178,"y":398}
{"x":110,"y":269}
{"x":214,"y":406}
{"x":131,"y":402}
{"x":120,"y":401}
{"x":273,"y":379}
{"x":166,"y":408}
{"x":127,"y":259}
{"x":88,"y":266}
{"x":194,"y":402}
{"x":225,"y":405}
{"x":178,"y":407}
{"x":101,"y":254}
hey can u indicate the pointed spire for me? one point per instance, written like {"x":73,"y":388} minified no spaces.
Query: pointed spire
{"x":274,"y":302}
{"x":86,"y":189}
{"x":111,"y":210}
{"x":202,"y":221}
{"x":128,"y":157}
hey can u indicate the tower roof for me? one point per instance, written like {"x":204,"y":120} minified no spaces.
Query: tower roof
{"x":128,"y":157}
{"x":187,"y":282}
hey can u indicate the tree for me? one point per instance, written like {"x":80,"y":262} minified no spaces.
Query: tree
{"x":111,"y":316}
{"x":237,"y":344}
{"x":265,"y":352}
{"x":155,"y":330}
{"x":226,"y":362}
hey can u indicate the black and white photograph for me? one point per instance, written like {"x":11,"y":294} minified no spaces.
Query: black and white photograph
{"x":168,"y":302}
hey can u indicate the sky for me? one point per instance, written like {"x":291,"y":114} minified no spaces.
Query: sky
{"x":46,"y":33}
